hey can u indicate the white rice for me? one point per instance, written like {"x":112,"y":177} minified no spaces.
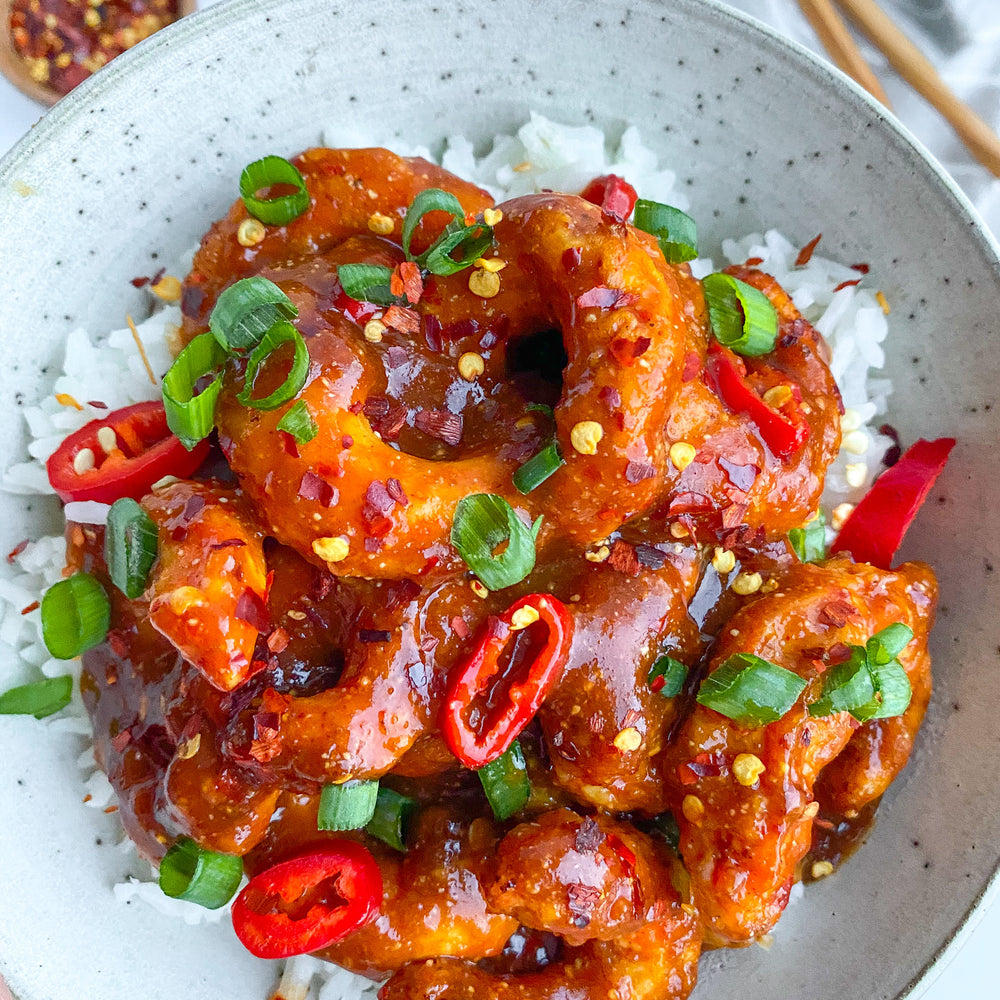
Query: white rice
{"x":543,"y":154}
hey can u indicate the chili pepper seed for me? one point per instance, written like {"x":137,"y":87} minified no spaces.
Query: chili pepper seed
{"x":585,"y":436}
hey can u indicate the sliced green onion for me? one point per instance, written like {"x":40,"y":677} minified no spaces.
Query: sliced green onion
{"x":505,"y":781}
{"x":538,"y":468}
{"x":885,"y":646}
{"x":40,"y":698}
{"x":298,"y":421}
{"x":246,"y":310}
{"x":207,"y":878}
{"x":872,"y":683}
{"x":280,"y":333}
{"x":666,"y":826}
{"x":130,"y":544}
{"x":741,"y":316}
{"x":484,"y":521}
{"x":469,"y":242}
{"x":366,"y":282}
{"x":540,"y":408}
{"x":750,"y":691}
{"x":809,"y":541}
{"x":429,"y":200}
{"x":674,"y":674}
{"x":268,"y":172}
{"x":76,"y":613}
{"x":348,"y":806}
{"x":391,"y":818}
{"x":675,"y":231}
{"x":191,"y":417}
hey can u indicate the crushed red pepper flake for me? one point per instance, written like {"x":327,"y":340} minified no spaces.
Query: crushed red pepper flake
{"x":251,"y":609}
{"x":636,"y":472}
{"x":460,"y":627}
{"x":602,"y":297}
{"x":862,"y":268}
{"x":692,"y":366}
{"x":395,"y":490}
{"x":805,"y":254}
{"x":402,"y":319}
{"x":121,"y":739}
{"x":611,"y":397}
{"x":17,"y":550}
{"x":623,"y":558}
{"x":571,"y":259}
{"x":589,"y":835}
{"x":412,"y":282}
{"x":277,"y":641}
{"x":315,"y":488}
{"x":396,"y":356}
{"x":441,"y":424}
{"x":626,"y":352}
{"x":848,"y":284}
{"x":33,"y":606}
{"x":754,"y":261}
{"x":428,"y":644}
{"x":837,"y":613}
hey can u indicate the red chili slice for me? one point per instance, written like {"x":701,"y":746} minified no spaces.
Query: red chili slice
{"x":146,"y":451}
{"x":876,"y":527}
{"x":784,"y":430}
{"x":613,"y":193}
{"x":476,"y":729}
{"x":308,"y":902}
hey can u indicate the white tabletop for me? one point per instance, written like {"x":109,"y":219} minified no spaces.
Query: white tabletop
{"x":971,"y":29}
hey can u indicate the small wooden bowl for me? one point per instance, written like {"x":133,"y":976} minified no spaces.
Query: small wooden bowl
{"x":13,"y":66}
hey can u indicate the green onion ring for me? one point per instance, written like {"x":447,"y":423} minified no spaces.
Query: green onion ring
{"x":674,"y":674}
{"x":246,"y":310}
{"x":366,"y":283}
{"x":741,"y":316}
{"x":130,"y":546}
{"x":505,"y":781}
{"x":298,"y":422}
{"x":809,"y":541}
{"x":265,"y":173}
{"x":207,"y":878}
{"x":40,"y":698}
{"x":76,"y":613}
{"x":473,"y":241}
{"x":429,"y":200}
{"x":482,"y":522}
{"x":391,"y":818}
{"x":538,"y":468}
{"x":750,"y":691}
{"x":191,"y":417}
{"x":281,"y":333}
{"x":348,"y":806}
{"x":675,"y":231}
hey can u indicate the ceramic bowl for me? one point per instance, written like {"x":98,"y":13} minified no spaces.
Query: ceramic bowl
{"x":131,"y":168}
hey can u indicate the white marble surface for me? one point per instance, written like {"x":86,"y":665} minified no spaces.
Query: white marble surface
{"x":973,"y":70}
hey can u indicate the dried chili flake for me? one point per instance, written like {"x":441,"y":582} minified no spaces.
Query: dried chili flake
{"x":97,"y":404}
{"x":378,"y":527}
{"x":395,"y":490}
{"x":623,"y":558}
{"x":373,"y":544}
{"x":793,"y":332}
{"x":117,"y":642}
{"x":250,"y":608}
{"x":571,"y":259}
{"x":347,"y":441}
{"x":461,"y":329}
{"x":861,"y":268}
{"x":432,"y":331}
{"x":836,"y":613}
{"x":266,"y":744}
{"x":143,"y":282}
{"x":805,"y":254}
{"x":377,"y":500}
{"x":690,"y":502}
{"x":318,"y":490}
{"x":754,"y":261}
{"x":413,"y":283}
{"x":602,"y":297}
{"x":839,"y":652}
{"x":894,"y":452}
{"x":741,"y":476}
{"x":277,"y":641}
{"x":460,"y":627}
{"x":121,"y":739}
{"x":321,"y":585}
{"x":194,"y":506}
{"x":692,"y":366}
{"x":402,"y":319}
{"x":848,"y":284}
{"x":17,"y":550}
{"x":396,"y":356}
{"x":636,"y":472}
{"x":401,"y":593}
{"x":288,"y":444}
{"x":611,"y":397}
{"x":428,"y":644}
{"x":589,"y":836}
{"x":33,"y":606}
{"x":582,"y":900}
{"x":626,"y":351}
{"x":441,"y":424}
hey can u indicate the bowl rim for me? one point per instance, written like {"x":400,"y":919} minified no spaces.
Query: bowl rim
{"x":130,"y":63}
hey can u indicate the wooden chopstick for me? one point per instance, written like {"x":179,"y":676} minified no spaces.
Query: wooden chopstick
{"x":914,"y":67}
{"x":840,"y":44}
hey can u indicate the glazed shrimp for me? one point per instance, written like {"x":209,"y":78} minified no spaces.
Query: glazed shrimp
{"x":208,"y":588}
{"x":744,"y":798}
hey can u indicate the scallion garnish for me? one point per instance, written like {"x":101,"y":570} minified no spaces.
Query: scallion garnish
{"x":538,"y":468}
{"x":667,"y":827}
{"x":367,"y":283}
{"x":391,"y":818}
{"x":298,"y":421}
{"x":809,"y":541}
{"x":280,"y":333}
{"x":871,"y":683}
{"x":129,"y":546}
{"x":675,"y":231}
{"x":505,"y":781}
{"x":348,"y":806}
{"x":76,"y":613}
{"x":484,"y":521}
{"x":470,"y":242}
{"x":750,"y":691}
{"x":741,"y":316}
{"x":269,"y":172}
{"x":191,"y":417}
{"x":246,"y":310}
{"x":667,"y":676}
{"x":40,"y":698}
{"x":207,"y":878}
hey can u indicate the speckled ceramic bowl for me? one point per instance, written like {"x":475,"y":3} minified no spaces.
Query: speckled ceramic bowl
{"x":135,"y":163}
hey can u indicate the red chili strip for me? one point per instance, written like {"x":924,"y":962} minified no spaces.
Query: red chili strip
{"x":146,"y":452}
{"x":477,"y":732}
{"x":614,"y":194}
{"x":783,"y":432}
{"x":876,"y":527}
{"x":805,"y":254}
{"x":308,"y":902}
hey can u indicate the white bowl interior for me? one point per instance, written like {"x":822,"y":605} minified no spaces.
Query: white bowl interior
{"x":130,"y":170}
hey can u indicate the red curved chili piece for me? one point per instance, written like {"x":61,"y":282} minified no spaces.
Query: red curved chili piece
{"x":876,"y":527}
{"x":613,"y":193}
{"x":476,"y":729}
{"x":145,"y":452}
{"x":784,"y":430}
{"x":308,"y":902}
